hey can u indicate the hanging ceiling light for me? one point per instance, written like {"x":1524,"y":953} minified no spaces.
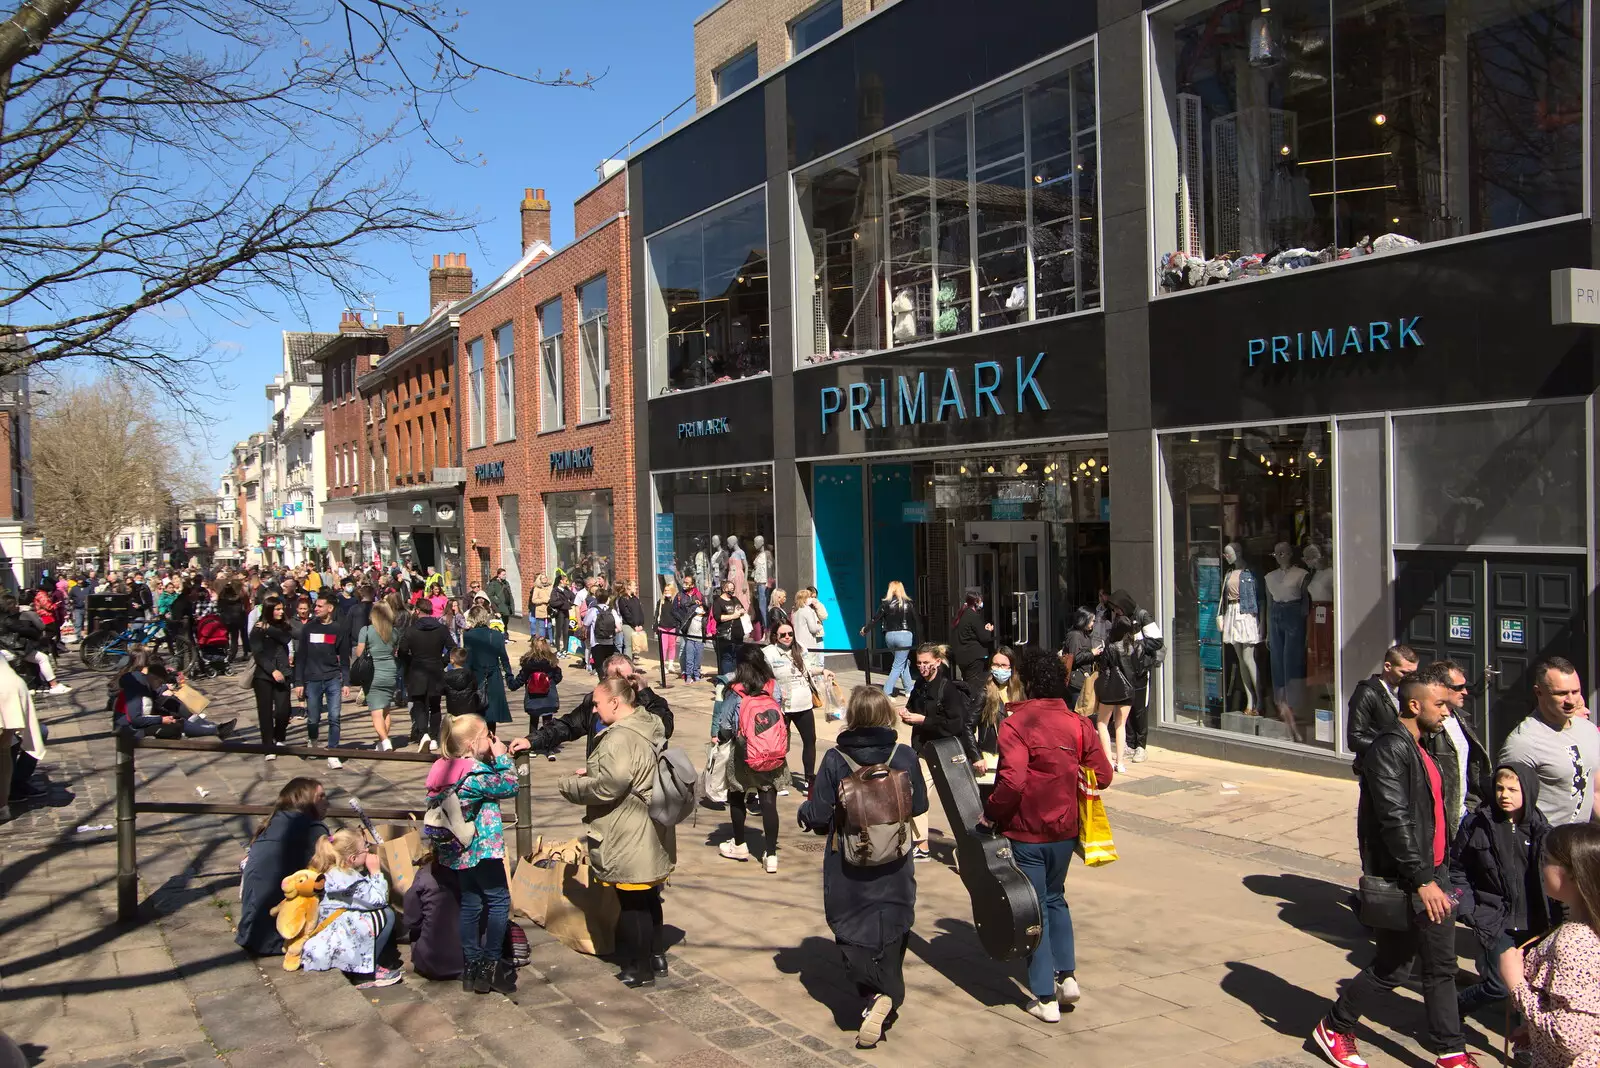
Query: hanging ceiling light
{"x":1022,"y":468}
{"x":1264,"y":48}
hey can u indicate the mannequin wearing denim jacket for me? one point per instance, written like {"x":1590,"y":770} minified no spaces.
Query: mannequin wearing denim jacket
{"x":1239,"y":617}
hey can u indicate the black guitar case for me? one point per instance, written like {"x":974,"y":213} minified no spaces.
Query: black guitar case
{"x":1005,"y":909}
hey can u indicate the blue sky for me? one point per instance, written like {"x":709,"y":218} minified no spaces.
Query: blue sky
{"x":527,"y":136}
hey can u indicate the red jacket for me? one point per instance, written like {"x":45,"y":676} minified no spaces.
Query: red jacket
{"x":1042,"y":744}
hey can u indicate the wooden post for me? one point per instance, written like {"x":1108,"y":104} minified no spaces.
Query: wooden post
{"x":127,"y":849}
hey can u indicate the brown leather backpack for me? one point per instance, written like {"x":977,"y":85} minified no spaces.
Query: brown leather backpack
{"x":872,"y":825}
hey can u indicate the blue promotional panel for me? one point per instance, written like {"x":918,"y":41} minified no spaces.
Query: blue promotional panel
{"x":894,"y":518}
{"x":666,"y":558}
{"x":839,"y":510}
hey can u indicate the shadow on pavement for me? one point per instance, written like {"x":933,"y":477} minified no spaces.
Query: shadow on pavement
{"x":1294,"y":1010}
{"x":956,"y":954}
{"x":1316,"y":906}
{"x":820,"y":967}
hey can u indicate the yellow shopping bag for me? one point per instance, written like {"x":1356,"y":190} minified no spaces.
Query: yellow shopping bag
{"x":1094,"y":830}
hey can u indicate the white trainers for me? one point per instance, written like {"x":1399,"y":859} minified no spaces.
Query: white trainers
{"x":335,"y":763}
{"x":783,"y":791}
{"x":1140,"y":756}
{"x":58,"y":689}
{"x":1067,"y":992}
{"x":1048,"y":1011}
{"x":1121,"y":769}
{"x":270,"y":756}
{"x":433,"y":745}
{"x":872,"y":1018}
{"x":385,"y":745}
{"x":422,"y":743}
{"x":734,"y":852}
{"x":772,"y":863}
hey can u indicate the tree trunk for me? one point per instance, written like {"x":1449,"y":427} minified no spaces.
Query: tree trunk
{"x":25,"y":32}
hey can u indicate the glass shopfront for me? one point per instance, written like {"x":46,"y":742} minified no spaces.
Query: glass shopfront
{"x":1249,"y":581}
{"x":578,"y":533}
{"x":1303,"y":132}
{"x":705,"y":519}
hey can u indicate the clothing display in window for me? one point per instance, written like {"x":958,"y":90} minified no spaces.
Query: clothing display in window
{"x":1320,"y":636}
{"x":1239,"y":619}
{"x":1286,"y":629}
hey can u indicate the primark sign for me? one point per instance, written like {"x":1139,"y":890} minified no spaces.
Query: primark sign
{"x":989,"y":388}
{"x":1335,"y":342}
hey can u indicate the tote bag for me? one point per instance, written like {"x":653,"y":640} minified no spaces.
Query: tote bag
{"x":1095,"y":845}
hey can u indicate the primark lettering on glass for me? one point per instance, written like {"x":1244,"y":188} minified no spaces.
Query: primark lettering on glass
{"x":906,"y":399}
{"x":565,"y":461}
{"x":1357,"y":339}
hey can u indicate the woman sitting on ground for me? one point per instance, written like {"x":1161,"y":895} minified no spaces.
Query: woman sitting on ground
{"x":283,"y":844}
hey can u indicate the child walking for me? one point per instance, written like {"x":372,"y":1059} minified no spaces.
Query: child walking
{"x":538,"y":673}
{"x":1557,"y":986}
{"x":461,"y":686}
{"x":1496,"y":862}
{"x":355,"y":909}
{"x":475,"y":765}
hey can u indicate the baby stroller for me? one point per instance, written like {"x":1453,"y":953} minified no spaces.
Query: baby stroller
{"x":211,"y":646}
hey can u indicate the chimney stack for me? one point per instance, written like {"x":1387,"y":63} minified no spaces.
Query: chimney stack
{"x":535,"y":218}
{"x":449,"y":281}
{"x":351,"y":322}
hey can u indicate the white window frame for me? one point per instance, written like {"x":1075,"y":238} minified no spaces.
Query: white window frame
{"x":478,"y":415}
{"x":594,"y":359}
{"x":552,"y":370}
{"x":505,"y":382}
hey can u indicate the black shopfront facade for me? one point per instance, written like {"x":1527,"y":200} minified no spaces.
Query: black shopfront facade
{"x":960,"y":354}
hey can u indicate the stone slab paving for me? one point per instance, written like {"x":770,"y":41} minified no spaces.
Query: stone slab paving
{"x":1214,"y":941}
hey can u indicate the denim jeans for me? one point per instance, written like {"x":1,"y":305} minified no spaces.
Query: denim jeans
{"x":691,"y":658}
{"x":542,"y":629}
{"x":900,"y":642}
{"x":1045,"y":865}
{"x":79,"y":615}
{"x":483,"y":887}
{"x":320,"y":692}
{"x":1489,"y":987}
{"x":763,"y":593}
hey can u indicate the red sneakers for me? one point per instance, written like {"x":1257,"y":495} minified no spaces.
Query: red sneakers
{"x":1456,"y":1060}
{"x":1341,"y":1048}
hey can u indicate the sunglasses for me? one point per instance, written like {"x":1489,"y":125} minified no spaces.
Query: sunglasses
{"x":786,"y":634}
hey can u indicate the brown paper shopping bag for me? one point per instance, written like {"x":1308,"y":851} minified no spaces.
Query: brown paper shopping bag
{"x":193,"y":701}
{"x":401,"y":848}
{"x":555,"y":888}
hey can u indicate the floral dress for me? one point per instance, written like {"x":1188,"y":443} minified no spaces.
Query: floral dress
{"x":349,"y":943}
{"x":1561,"y":999}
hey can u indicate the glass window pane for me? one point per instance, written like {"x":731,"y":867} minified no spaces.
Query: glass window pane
{"x":821,"y":22}
{"x":594,"y":367}
{"x":1501,"y":476}
{"x":552,"y":414}
{"x":475,"y":364}
{"x":1303,"y":131}
{"x":1248,"y":574}
{"x":735,"y":74}
{"x":703,"y":509}
{"x":505,"y":383}
{"x":578,"y":533}
{"x":999,"y":171}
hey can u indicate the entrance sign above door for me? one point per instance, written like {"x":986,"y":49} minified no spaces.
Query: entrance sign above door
{"x":908,"y":399}
{"x":1357,"y":339}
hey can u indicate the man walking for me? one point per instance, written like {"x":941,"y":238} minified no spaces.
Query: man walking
{"x":1401,"y":830}
{"x":1460,"y":754}
{"x":499,"y":591}
{"x":1558,"y":743}
{"x":321,"y":663}
{"x":1375,"y":703}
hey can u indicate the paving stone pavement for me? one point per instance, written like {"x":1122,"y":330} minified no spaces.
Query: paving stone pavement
{"x":1214,"y":941}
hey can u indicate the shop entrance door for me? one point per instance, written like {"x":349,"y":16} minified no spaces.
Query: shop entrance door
{"x":1496,"y":615}
{"x":1006,"y":561}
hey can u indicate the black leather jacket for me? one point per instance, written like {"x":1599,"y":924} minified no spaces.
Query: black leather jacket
{"x":895,"y":615}
{"x":1394,"y":821}
{"x":1371,"y":713}
{"x":580,"y":722}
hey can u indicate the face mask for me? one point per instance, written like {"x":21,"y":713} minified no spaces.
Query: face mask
{"x":1000,"y":675}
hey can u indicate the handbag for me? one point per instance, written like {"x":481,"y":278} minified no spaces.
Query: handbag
{"x":1088,"y":704}
{"x":1382,"y":904}
{"x":639,"y":641}
{"x":362,"y":671}
{"x":1094,"y":844}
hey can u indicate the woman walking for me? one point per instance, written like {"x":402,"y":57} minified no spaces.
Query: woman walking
{"x":899,"y":635}
{"x":376,"y":640}
{"x":488,"y":662}
{"x":807,"y":620}
{"x":971,"y":639}
{"x":269,"y":679}
{"x":1004,"y":690}
{"x":1121,"y":663}
{"x":869,"y":909}
{"x":233,"y":605}
{"x":631,"y":611}
{"x":777,"y":608}
{"x":1043,"y":743}
{"x":627,"y":849}
{"x":800,"y":678}
{"x":752,"y":678}
{"x":1078,"y":651}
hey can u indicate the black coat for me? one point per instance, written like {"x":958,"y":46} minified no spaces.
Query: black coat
{"x":896,"y":615}
{"x":269,"y":649}
{"x":777,"y":615}
{"x":1394,"y":819}
{"x":1372,"y":712}
{"x":283,"y":848}
{"x":949,"y":711}
{"x":871,"y":907}
{"x":422,"y":653}
{"x":580,"y":722}
{"x":1480,"y":868}
{"x":631,"y":611}
{"x":433,"y":918}
{"x":970,"y":640}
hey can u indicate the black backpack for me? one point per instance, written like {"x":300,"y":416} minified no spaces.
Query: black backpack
{"x":605,"y":626}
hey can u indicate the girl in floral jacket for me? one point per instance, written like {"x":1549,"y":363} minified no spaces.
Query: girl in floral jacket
{"x":354,"y":919}
{"x":475,"y":765}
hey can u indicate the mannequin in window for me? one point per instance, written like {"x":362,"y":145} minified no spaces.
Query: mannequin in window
{"x":1239,"y":618}
{"x":1286,"y":632}
{"x":719,"y":562}
{"x":762,"y":576}
{"x":702,"y":566}
{"x":738,"y":574}
{"x":1319,"y":637}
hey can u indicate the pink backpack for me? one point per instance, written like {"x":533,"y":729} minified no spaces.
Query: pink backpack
{"x":763,"y":739}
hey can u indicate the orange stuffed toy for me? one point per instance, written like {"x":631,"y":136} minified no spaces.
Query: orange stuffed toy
{"x":297,"y":913}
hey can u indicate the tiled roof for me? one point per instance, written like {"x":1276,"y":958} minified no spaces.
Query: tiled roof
{"x":297,"y":349}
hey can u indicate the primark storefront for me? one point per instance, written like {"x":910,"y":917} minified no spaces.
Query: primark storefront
{"x":911,"y":307}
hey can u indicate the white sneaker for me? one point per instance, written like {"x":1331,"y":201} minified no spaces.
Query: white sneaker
{"x":1140,"y":756}
{"x":772,"y":863}
{"x":58,"y":689}
{"x":385,"y":745}
{"x":734,"y":852}
{"x":783,"y":791}
{"x":270,"y":756}
{"x":335,"y":763}
{"x":423,"y":743}
{"x":433,"y":745}
{"x":1121,"y":769}
{"x":1067,"y":992}
{"x":1048,"y":1011}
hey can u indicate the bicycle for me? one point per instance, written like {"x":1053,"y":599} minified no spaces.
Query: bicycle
{"x":107,"y":645}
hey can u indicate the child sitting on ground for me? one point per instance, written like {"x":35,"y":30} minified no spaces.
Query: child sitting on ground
{"x":1496,"y":862}
{"x":1557,"y":987}
{"x":433,"y":920}
{"x":145,"y":703}
{"x":476,"y":766}
{"x":539,"y":671}
{"x":354,"y":921}
{"x":461,"y":696}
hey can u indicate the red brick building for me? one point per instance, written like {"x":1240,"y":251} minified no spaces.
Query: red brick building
{"x":547,"y":401}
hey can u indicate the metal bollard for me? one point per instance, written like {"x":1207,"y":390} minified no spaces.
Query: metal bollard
{"x":663,"y":659}
{"x":127,"y":847}
{"x":524,"y":806}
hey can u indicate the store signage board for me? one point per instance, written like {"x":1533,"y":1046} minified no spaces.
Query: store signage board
{"x":666,"y":555}
{"x":1460,"y":628}
{"x":1355,"y":339}
{"x":1004,"y":509}
{"x":1575,"y":297}
{"x":565,"y":461}
{"x":703,"y":428}
{"x":489,"y":472}
{"x":1511,"y":632}
{"x":913,"y":511}
{"x":909,"y":399}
